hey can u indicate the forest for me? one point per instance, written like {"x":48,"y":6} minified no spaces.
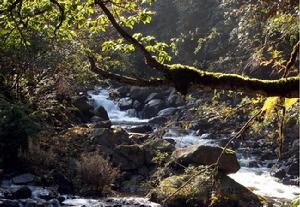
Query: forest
{"x":150,"y":103}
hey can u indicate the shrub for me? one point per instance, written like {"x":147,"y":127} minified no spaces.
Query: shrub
{"x":95,"y":174}
{"x":15,"y":128}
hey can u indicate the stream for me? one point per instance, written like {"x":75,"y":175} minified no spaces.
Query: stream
{"x":258,"y":179}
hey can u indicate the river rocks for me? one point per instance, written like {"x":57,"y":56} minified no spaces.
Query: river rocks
{"x":23,"y":179}
{"x":206,"y":155}
{"x":168,"y":111}
{"x":198,"y":190}
{"x":102,"y":113}
{"x":152,"y":108}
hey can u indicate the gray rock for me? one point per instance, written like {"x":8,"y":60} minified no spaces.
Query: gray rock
{"x":143,"y":129}
{"x":152,"y":108}
{"x":158,"y":120}
{"x":128,"y":157}
{"x":125,"y":103}
{"x":137,"y":105}
{"x":84,"y":108}
{"x":123,"y":90}
{"x":23,"y":179}
{"x":155,"y":96}
{"x":22,"y":193}
{"x":175,"y":100}
{"x":140,"y":93}
{"x":132,"y":112}
{"x":168,"y":111}
{"x":206,"y":155}
{"x":103,"y":124}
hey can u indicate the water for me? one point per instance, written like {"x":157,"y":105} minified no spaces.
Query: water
{"x":257,"y":179}
{"x":100,"y":97}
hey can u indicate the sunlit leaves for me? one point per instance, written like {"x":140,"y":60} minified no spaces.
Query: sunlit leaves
{"x":289,"y":102}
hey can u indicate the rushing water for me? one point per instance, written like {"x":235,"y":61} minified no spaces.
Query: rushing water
{"x":257,"y":179}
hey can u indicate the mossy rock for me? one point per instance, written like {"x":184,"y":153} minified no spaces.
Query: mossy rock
{"x":198,"y":192}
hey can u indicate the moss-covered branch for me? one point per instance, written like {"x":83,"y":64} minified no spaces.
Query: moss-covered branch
{"x":183,"y":76}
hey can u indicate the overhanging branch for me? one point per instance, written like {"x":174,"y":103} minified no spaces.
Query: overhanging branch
{"x":183,"y":77}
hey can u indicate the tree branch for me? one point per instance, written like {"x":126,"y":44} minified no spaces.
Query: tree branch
{"x":126,"y":79}
{"x":183,"y":77}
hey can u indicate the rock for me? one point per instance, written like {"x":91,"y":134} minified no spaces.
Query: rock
{"x":65,"y":186}
{"x":85,"y":109}
{"x":158,"y":120}
{"x":132,"y":112}
{"x":278,"y":173}
{"x":31,"y":203}
{"x":10,"y":203}
{"x":123,"y":90}
{"x":45,"y":194}
{"x":175,"y":100}
{"x":125,"y":103}
{"x":22,"y":193}
{"x":143,"y":129}
{"x":102,"y":113}
{"x":137,"y":105}
{"x":206,"y":155}
{"x":152,"y":108}
{"x":54,"y":203}
{"x":23,"y":179}
{"x":140,"y":93}
{"x":157,"y":145}
{"x":128,"y":157}
{"x":293,"y":169}
{"x":154,"y":96}
{"x":103,"y":124}
{"x":227,"y":192}
{"x":168,"y":111}
{"x":110,"y":137}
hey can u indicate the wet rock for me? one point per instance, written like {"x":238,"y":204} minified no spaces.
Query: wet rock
{"x":22,"y":193}
{"x":154,"y":96}
{"x":175,"y":100}
{"x":293,"y":169}
{"x":137,"y":105}
{"x":132,"y":112}
{"x":31,"y":203}
{"x":53,"y":203}
{"x":10,"y":203}
{"x":144,"y":129}
{"x":206,"y":155}
{"x":102,"y":113}
{"x":278,"y":173}
{"x":152,"y":108}
{"x":140,"y":93}
{"x":23,"y":179}
{"x":168,"y":111}
{"x":123,"y":90}
{"x":158,"y":120}
{"x":125,"y":103}
{"x":65,"y":186}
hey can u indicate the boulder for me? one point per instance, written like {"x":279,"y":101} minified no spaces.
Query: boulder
{"x":123,"y":91}
{"x":110,"y":137}
{"x":128,"y":157}
{"x":103,"y":124}
{"x":155,"y":96}
{"x":168,"y":111}
{"x":132,"y":112}
{"x":175,"y":100}
{"x":140,"y":93}
{"x":23,"y":179}
{"x":198,"y":191}
{"x":125,"y":103}
{"x":64,"y":184}
{"x":206,"y":155}
{"x":84,"y":108}
{"x":143,"y":129}
{"x":137,"y":105}
{"x":152,"y":108}
{"x":158,"y":120}
{"x":22,"y":193}
{"x":102,"y":113}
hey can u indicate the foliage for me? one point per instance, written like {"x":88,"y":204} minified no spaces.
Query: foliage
{"x":16,"y":126}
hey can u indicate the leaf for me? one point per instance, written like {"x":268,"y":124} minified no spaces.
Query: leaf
{"x":269,"y":106}
{"x":289,"y":102}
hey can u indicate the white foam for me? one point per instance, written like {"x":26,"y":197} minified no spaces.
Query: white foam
{"x":100,"y":97}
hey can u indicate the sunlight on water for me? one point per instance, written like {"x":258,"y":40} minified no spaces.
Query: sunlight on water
{"x":100,"y":97}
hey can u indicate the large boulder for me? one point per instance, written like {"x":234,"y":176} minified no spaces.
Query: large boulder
{"x":206,"y":155}
{"x":202,"y":189}
{"x":140,"y":93}
{"x":175,"y":100}
{"x":155,"y":96}
{"x":85,"y":110}
{"x":152,"y":108}
{"x":168,"y":111}
{"x":101,"y":113}
{"x":143,"y":129}
{"x":23,"y":179}
{"x":128,"y":157}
